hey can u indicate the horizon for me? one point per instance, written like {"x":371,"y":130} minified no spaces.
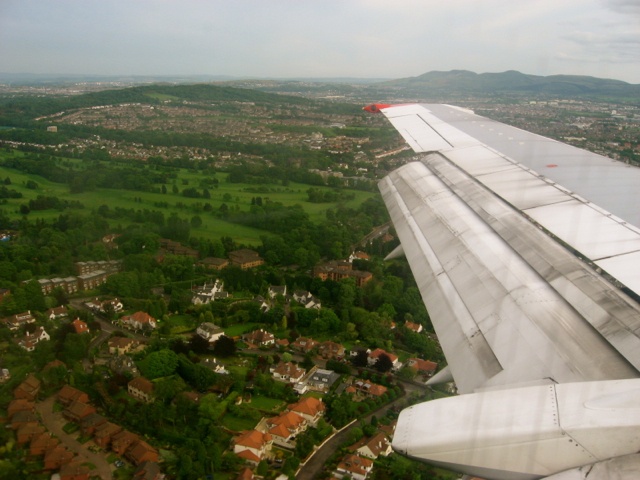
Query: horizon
{"x":330,"y":39}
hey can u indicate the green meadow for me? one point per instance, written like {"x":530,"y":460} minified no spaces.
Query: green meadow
{"x":237,"y":196}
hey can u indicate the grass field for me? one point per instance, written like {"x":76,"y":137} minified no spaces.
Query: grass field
{"x":237,"y":196}
{"x":266,"y":403}
{"x":238,"y":424}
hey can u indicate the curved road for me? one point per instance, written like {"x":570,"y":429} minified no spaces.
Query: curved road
{"x":54,"y":422}
{"x":316,"y":464}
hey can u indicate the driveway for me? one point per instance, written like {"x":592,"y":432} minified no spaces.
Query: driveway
{"x":54,"y":422}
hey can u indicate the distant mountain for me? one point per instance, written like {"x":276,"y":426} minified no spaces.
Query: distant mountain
{"x":463,"y":82}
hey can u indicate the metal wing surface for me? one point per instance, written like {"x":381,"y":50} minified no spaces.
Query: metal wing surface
{"x":525,"y":250}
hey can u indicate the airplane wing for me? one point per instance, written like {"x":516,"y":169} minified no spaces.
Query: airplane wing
{"x":526,"y":254}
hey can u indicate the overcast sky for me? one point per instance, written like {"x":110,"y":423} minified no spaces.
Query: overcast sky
{"x":328,"y":38}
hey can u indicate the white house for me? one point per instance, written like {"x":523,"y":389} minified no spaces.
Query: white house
{"x":209,"y":331}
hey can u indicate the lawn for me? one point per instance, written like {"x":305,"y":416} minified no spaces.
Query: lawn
{"x":238,"y":424}
{"x":238,"y":329}
{"x":238,"y":197}
{"x":266,"y":403}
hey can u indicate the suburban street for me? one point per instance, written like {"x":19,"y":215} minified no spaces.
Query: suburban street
{"x":54,"y":422}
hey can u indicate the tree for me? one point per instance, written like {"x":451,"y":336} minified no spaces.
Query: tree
{"x":224,"y":347}
{"x":159,"y":364}
{"x":384,"y":363}
{"x":361,"y":359}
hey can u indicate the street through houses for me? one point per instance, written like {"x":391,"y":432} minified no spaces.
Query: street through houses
{"x":54,"y":422}
{"x":316,"y":464}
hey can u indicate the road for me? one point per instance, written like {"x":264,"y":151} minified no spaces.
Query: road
{"x":54,"y":422}
{"x":315,"y":466}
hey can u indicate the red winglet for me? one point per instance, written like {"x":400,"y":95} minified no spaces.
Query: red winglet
{"x":376,"y":107}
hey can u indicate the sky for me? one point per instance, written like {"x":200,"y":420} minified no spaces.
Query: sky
{"x":316,"y":39}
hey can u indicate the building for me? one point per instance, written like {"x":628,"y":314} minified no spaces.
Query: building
{"x":321,"y":380}
{"x":277,"y":290}
{"x":68,"y":394}
{"x":209,"y":332}
{"x":245,"y":258}
{"x":213,"y":263}
{"x":30,"y":340}
{"x":373,"y":447}
{"x":287,"y":372}
{"x":257,"y":444}
{"x":56,"y":313}
{"x":208,"y":293}
{"x":76,"y":411}
{"x":422,"y":367}
{"x":14,"y":322}
{"x":79,"y":326}
{"x":354,"y":466}
{"x":139,"y":321}
{"x":336,"y":271}
{"x":141,"y":452}
{"x":414,"y":327}
{"x":303,"y":344}
{"x":331,"y":350}
{"x":285,"y":427}
{"x":260,"y":338}
{"x":141,"y":389}
{"x":28,"y":390}
{"x":121,"y":345}
{"x":307,"y":300}
{"x":375,"y":355}
{"x":310,"y":408}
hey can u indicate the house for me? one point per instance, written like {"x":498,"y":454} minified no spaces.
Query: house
{"x":76,"y":411}
{"x":141,"y":452}
{"x":209,"y":332}
{"x":321,"y":380}
{"x":5,"y":375}
{"x":148,"y":471}
{"x":104,"y":432}
{"x":121,"y":345}
{"x":68,"y":394}
{"x":287,"y":372}
{"x":141,"y":389}
{"x":22,"y":418}
{"x":245,"y":258}
{"x":277,"y":290}
{"x":375,"y":354}
{"x":414,"y":327}
{"x":14,"y":322}
{"x":213,"y":263}
{"x":303,"y":344}
{"x":256,"y":443}
{"x":74,"y":471}
{"x":260,"y":338}
{"x":354,"y":466}
{"x":57,"y":312}
{"x":285,"y":427}
{"x":56,"y":457}
{"x":208,"y":293}
{"x":28,"y":389}
{"x":20,"y":405}
{"x":336,"y":271}
{"x":373,"y":447}
{"x":306,"y":299}
{"x":358,"y":256}
{"x":367,"y":388}
{"x":422,"y":367}
{"x":245,"y":474}
{"x":27,"y":432}
{"x":121,"y":441}
{"x":30,"y":340}
{"x":79,"y":326}
{"x":113,"y":305}
{"x":329,"y":349}
{"x":213,"y":364}
{"x":309,"y":408}
{"x":90,"y":423}
{"x":41,"y":443}
{"x":139,"y":321}
{"x":125,"y":365}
